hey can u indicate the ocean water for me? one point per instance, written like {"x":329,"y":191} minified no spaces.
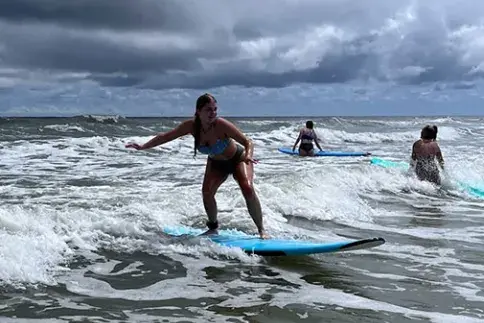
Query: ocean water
{"x":80,"y":217}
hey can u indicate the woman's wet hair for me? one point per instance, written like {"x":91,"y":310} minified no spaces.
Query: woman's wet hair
{"x":428,"y":132}
{"x":309,"y":124}
{"x":201,"y":102}
{"x":436,"y":130}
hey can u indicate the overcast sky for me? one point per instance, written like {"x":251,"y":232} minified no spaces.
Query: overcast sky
{"x":202,"y":44}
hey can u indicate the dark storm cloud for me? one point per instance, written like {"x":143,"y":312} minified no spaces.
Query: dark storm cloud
{"x":336,"y":69}
{"x":115,"y":14}
{"x":54,"y":49}
{"x":201,"y":44}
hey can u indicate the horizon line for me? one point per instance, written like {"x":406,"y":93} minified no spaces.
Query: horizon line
{"x":248,"y":116}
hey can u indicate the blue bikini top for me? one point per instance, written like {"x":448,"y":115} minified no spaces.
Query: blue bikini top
{"x":216,"y":149}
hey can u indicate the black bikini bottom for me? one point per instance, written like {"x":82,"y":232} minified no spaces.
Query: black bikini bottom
{"x":306,"y":147}
{"x":228,"y":166}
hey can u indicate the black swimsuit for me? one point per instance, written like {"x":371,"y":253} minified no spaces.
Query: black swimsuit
{"x":306,"y":142}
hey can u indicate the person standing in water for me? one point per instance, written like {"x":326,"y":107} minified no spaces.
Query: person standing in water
{"x":307,"y":135}
{"x":425,"y":151}
{"x":229,"y":151}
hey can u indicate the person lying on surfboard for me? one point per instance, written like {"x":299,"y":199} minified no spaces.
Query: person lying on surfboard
{"x":217,"y":138}
{"x":307,"y":135}
{"x":424,"y":153}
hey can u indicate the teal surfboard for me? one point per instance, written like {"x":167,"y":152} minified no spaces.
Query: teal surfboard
{"x":389,"y":163}
{"x":325,"y":153}
{"x":274,"y":247}
{"x":475,"y":191}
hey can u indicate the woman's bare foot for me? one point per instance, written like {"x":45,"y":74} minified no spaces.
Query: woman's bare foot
{"x":210,"y":232}
{"x":263,"y":235}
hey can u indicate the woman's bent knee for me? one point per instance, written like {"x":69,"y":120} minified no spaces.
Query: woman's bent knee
{"x":207,"y":194}
{"x":247,"y":190}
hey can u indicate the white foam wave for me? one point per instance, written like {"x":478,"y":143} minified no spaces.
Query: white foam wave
{"x":134,"y":193}
{"x":66,"y":128}
{"x":331,"y":139}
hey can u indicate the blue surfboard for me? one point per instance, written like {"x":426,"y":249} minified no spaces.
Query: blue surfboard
{"x":325,"y":153}
{"x":478,"y":192}
{"x":274,"y":247}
